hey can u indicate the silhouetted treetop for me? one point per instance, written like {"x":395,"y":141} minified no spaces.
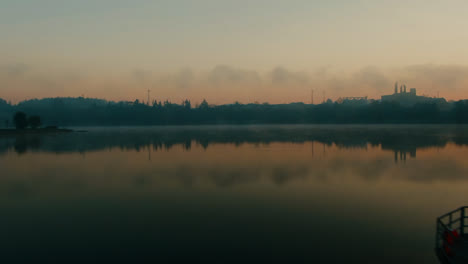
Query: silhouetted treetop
{"x":204,"y":104}
{"x":20,"y":120}
{"x":34,"y":121}
{"x":88,"y":111}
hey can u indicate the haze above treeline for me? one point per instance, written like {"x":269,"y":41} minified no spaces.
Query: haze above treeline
{"x":97,"y":112}
{"x":224,"y":84}
{"x":272,"y":51}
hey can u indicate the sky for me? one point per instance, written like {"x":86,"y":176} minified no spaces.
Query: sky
{"x":225,"y":51}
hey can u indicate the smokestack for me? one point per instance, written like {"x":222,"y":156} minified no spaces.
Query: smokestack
{"x":396,"y":87}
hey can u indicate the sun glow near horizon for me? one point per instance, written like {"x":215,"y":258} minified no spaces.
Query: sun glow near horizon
{"x":226,"y":51}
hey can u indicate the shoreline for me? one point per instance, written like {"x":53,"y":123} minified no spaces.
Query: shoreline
{"x":14,"y":131}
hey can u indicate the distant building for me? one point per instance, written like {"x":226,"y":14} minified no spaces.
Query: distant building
{"x":409,"y":98}
{"x":353,"y":100}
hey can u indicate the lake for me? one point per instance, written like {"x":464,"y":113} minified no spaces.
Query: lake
{"x":230,"y":194}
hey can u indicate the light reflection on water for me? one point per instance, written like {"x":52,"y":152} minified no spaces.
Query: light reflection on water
{"x":231,"y":194}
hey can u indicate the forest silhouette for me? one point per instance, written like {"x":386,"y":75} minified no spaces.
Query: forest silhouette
{"x":87,"y":111}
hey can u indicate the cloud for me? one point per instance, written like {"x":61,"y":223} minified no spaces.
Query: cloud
{"x":184,"y":78}
{"x":446,"y":77}
{"x":278,"y":85}
{"x":227,"y":75}
{"x":374,"y":81}
{"x":14,"y":70}
{"x":141,"y":75}
{"x":372,"y":77}
{"x":283,"y":76}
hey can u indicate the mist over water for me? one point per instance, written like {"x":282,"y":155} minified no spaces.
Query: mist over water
{"x":307,"y":194}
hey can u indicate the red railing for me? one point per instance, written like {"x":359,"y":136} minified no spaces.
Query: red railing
{"x":450,"y":229}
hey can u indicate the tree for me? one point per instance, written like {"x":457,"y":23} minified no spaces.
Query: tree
{"x":20,"y":120}
{"x":34,"y":121}
{"x":204,"y":105}
{"x":187,"y":105}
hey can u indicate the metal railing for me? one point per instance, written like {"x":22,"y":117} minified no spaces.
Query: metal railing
{"x":450,"y":226}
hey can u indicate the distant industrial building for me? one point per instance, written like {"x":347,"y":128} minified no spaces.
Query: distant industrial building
{"x":353,"y":100}
{"x":409,"y":98}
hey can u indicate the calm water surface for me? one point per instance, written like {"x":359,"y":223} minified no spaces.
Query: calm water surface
{"x":285,"y":194}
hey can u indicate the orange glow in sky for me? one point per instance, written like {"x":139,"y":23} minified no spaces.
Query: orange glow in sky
{"x":225,"y":51}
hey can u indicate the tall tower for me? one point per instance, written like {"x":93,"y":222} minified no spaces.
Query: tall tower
{"x":401,"y":88}
{"x":404,"y":87}
{"x":312,"y":96}
{"x":149,"y":96}
{"x":396,"y":87}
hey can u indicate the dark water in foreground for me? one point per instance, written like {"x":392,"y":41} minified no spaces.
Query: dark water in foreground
{"x":292,"y":194}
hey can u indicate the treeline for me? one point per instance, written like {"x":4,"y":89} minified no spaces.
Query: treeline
{"x":84,"y":111}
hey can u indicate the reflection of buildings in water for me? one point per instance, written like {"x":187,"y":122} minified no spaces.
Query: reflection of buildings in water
{"x":402,"y":154}
{"x":324,"y":148}
{"x":402,"y":140}
{"x":149,"y":153}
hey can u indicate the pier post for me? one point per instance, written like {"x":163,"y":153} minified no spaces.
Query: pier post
{"x":462,"y":221}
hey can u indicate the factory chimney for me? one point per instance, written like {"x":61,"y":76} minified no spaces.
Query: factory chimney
{"x":396,"y":87}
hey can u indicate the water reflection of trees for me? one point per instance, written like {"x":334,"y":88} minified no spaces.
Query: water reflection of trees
{"x":400,"y":140}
